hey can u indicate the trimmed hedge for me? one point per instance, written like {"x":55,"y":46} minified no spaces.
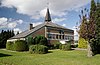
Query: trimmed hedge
{"x":82,"y":43}
{"x":39,"y":49}
{"x":9,"y":45}
{"x":19,"y":45}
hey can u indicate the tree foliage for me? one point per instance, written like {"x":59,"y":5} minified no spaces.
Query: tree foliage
{"x":90,"y":27}
{"x":30,"y":40}
{"x":40,"y":40}
{"x":82,"y":43}
{"x":4,"y":35}
{"x":97,"y":19}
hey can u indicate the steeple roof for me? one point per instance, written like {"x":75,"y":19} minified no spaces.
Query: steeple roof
{"x":47,"y":17}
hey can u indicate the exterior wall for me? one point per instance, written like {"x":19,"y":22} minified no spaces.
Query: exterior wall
{"x":12,"y":40}
{"x":58,"y":36}
{"x":51,"y":42}
{"x":41,"y":31}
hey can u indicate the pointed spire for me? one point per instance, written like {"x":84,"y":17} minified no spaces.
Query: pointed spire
{"x":47,"y":17}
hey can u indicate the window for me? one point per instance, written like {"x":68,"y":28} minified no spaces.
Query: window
{"x":49,"y":36}
{"x":57,"y":37}
{"x":53,"y":36}
{"x":62,"y":36}
{"x":61,"y":31}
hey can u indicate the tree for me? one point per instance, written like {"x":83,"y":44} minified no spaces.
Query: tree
{"x":4,"y":35}
{"x":98,"y":27}
{"x":83,"y":29}
{"x":91,"y":29}
{"x":30,"y":40}
{"x":88,"y":27}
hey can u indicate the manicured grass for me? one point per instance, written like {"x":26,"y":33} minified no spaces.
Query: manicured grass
{"x":55,"y":57}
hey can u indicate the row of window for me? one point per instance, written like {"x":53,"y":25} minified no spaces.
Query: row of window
{"x":56,"y":36}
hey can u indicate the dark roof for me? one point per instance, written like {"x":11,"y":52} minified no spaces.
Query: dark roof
{"x":28,"y":32}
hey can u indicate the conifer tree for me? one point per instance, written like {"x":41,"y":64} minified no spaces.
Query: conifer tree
{"x":98,"y":27}
{"x":4,"y":35}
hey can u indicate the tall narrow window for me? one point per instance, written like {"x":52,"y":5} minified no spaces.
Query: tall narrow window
{"x":56,"y":36}
{"x":62,"y":36}
{"x":59,"y":36}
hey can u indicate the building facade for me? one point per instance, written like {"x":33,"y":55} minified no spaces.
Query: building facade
{"x":52,"y":31}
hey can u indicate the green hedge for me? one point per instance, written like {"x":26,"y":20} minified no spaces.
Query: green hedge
{"x":39,"y":49}
{"x":19,"y":45}
{"x":9,"y":45}
{"x":82,"y":43}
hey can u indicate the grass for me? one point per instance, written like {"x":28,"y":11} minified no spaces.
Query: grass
{"x":55,"y":57}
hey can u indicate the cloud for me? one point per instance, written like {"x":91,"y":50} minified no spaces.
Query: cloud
{"x":9,"y":23}
{"x":36,"y":23}
{"x":56,"y":20}
{"x":64,"y":25}
{"x":36,"y":8}
{"x":12,"y":25}
{"x":19,"y":21}
{"x":53,"y":13}
{"x":17,"y":30}
{"x":3,"y":22}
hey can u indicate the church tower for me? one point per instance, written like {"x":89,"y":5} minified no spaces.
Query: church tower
{"x":47,"y":17}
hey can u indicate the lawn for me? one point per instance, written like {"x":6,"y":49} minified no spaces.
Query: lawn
{"x":55,"y":57}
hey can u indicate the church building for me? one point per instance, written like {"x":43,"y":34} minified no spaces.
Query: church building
{"x":52,"y":31}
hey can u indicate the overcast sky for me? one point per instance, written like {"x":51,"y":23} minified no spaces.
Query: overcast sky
{"x":18,"y":14}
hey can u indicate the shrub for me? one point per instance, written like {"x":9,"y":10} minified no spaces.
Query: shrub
{"x":82,"y":43}
{"x":39,"y":49}
{"x":40,"y":40}
{"x":60,"y":46}
{"x":9,"y":45}
{"x":66,"y":47}
{"x":74,"y":45}
{"x":56,"y":45}
{"x":20,"y":45}
{"x":30,"y":40}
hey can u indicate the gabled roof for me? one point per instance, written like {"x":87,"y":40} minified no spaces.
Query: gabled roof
{"x":28,"y":32}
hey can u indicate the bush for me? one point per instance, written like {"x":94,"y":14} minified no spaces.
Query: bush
{"x":20,"y":45}
{"x":74,"y":45}
{"x":30,"y":40}
{"x":40,"y":40}
{"x":9,"y":45}
{"x":82,"y":43}
{"x":60,"y":46}
{"x":39,"y":49}
{"x":56,"y":45}
{"x":66,"y":47}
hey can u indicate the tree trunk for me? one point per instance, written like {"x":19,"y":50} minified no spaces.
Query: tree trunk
{"x":89,"y":49}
